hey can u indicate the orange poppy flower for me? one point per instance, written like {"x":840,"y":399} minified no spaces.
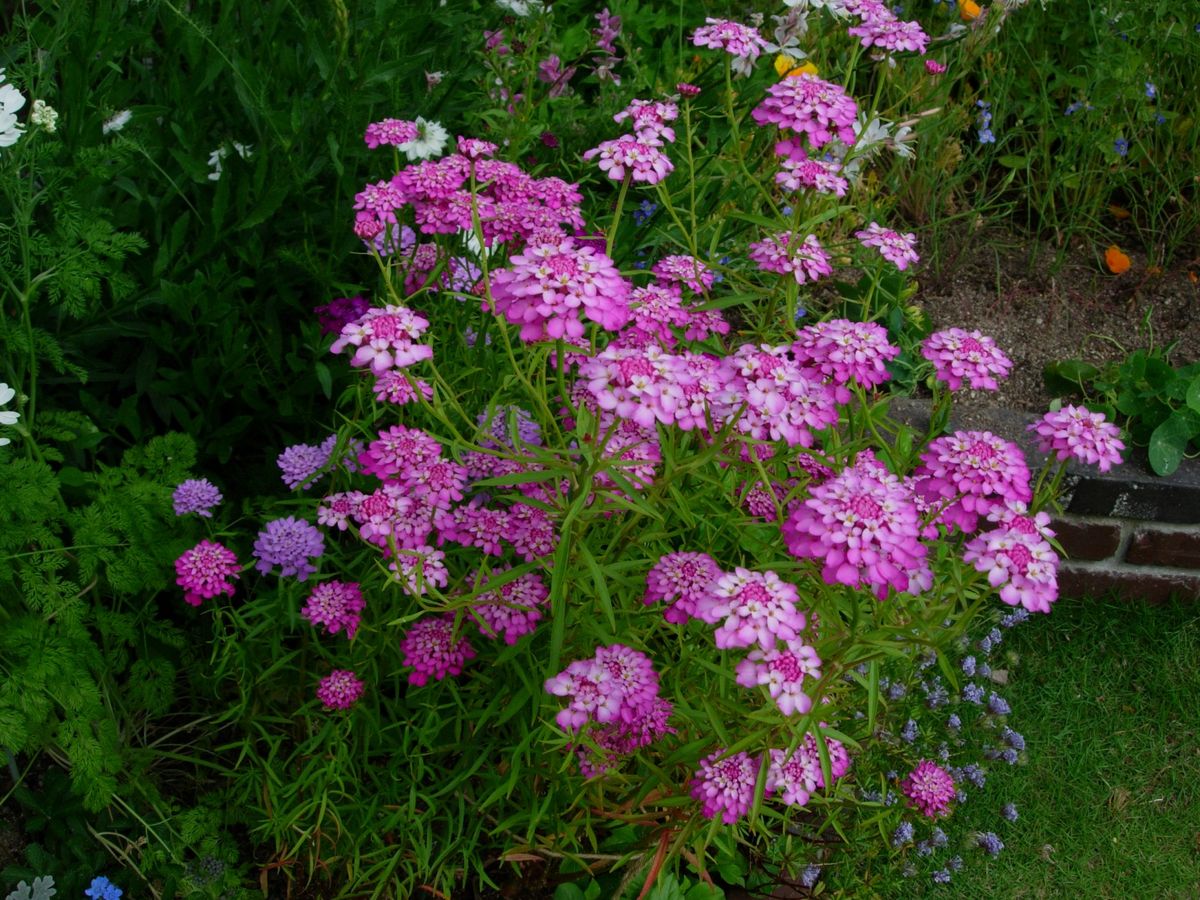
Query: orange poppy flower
{"x":1116,"y":261}
{"x":968,"y":10}
{"x":1118,"y":212}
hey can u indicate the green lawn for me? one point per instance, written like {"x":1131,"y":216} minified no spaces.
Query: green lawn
{"x":1107,"y":695}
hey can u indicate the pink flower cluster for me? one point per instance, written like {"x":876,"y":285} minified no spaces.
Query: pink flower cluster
{"x":335,"y":606}
{"x":808,"y":105}
{"x":898,"y":249}
{"x":799,"y":171}
{"x":840,"y":351}
{"x":864,"y":526}
{"x":957,"y":354}
{"x":685,"y":270}
{"x":880,"y":27}
{"x":546,"y":287}
{"x":385,"y":338}
{"x":512,"y":610}
{"x":391,"y":132}
{"x":511,"y":205}
{"x":805,"y":260}
{"x":929,"y":789}
{"x":783,"y":672}
{"x":683,"y":580}
{"x":969,"y":473}
{"x":1077,"y":432}
{"x":205,"y":571}
{"x":753,"y":609}
{"x":650,"y":120}
{"x":778,"y":399}
{"x":741,"y":42}
{"x":725,"y":786}
{"x":617,"y":691}
{"x":340,"y":689}
{"x":1019,"y":562}
{"x":430,"y":648}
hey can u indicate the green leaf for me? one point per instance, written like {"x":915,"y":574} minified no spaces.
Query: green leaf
{"x":1169,"y":441}
{"x":1013,"y":162}
{"x":1193,"y":394}
{"x":1068,"y":375}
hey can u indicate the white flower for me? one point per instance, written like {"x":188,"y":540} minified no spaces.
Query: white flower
{"x":45,"y":115}
{"x":214,"y":158}
{"x":11,"y":100}
{"x":430,"y":141}
{"x":117,"y":122}
{"x":521,"y":7}
{"x":8,"y":418}
{"x":433,"y":79}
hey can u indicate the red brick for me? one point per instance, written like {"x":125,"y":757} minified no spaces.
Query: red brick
{"x":1084,"y":539}
{"x":1129,"y":583}
{"x":1151,"y":547}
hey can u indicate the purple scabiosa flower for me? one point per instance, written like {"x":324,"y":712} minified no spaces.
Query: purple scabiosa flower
{"x":973,"y":693}
{"x":810,"y":876}
{"x":896,"y":691}
{"x":843,"y":351}
{"x":938,"y":838}
{"x":908,"y":733}
{"x":496,"y":423}
{"x":997,"y":705}
{"x":300,"y":462}
{"x":863,"y":527}
{"x":682,"y":580}
{"x":196,"y":495}
{"x":990,"y":842}
{"x":513,"y":609}
{"x":1009,"y":812}
{"x":968,"y":666}
{"x":972,"y":773}
{"x":903,"y":834}
{"x":551,"y":281}
{"x":725,"y":787}
{"x":205,"y":571}
{"x":430,"y":649}
{"x":288,"y":543}
{"x":335,"y":606}
{"x":957,"y":354}
{"x":929,"y":789}
{"x":1014,"y":739}
{"x":753,"y":608}
{"x":941,"y":876}
{"x":340,"y":689}
{"x":811,"y":106}
{"x":1076,"y":432}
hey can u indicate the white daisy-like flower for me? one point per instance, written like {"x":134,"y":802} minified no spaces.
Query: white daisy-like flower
{"x":9,"y":417}
{"x":430,"y":141}
{"x":45,"y":115}
{"x":11,"y":100}
{"x":116,"y":122}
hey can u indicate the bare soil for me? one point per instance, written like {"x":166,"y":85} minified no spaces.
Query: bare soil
{"x":1039,"y":312}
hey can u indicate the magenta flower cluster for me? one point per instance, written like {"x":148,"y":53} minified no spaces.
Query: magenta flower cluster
{"x":741,"y":42}
{"x":340,"y":689}
{"x":205,"y":571}
{"x":957,"y":355}
{"x":898,"y":249}
{"x":929,"y":789}
{"x":1075,"y":432}
{"x":805,"y":260}
{"x":807,"y":105}
{"x":639,"y":157}
{"x":432,"y":650}
{"x":335,"y":606}
{"x":513,"y":609}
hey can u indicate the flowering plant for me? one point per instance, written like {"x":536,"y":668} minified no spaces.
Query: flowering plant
{"x":619,"y":556}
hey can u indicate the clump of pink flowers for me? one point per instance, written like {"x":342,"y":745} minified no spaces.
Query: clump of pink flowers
{"x":957,"y":354}
{"x":385,"y":338}
{"x":969,"y":473}
{"x":390,"y":132}
{"x":805,"y":260}
{"x":929,"y":789}
{"x":196,"y":495}
{"x":863,"y":526}
{"x":725,"y":787}
{"x":783,"y":671}
{"x":753,"y":608}
{"x":683,"y":580}
{"x":898,"y":249}
{"x":512,"y":610}
{"x":1077,"y":432}
{"x":628,"y":156}
{"x":432,"y":651}
{"x":548,"y":285}
{"x":742,"y":42}
{"x":1020,"y":564}
{"x":808,"y":105}
{"x":843,"y":351}
{"x":335,"y":606}
{"x":340,"y":689}
{"x":205,"y":571}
